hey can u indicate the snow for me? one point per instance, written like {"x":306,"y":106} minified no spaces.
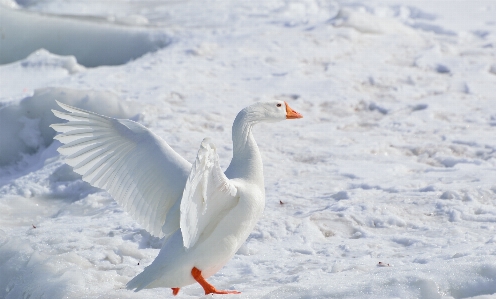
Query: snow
{"x":92,"y":43}
{"x":385,"y":189}
{"x":25,"y":125}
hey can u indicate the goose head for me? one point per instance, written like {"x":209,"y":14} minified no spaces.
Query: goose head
{"x":271,"y":111}
{"x":247,"y":162}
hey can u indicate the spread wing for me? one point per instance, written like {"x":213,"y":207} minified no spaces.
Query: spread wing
{"x":207,"y":197}
{"x":139,"y":169}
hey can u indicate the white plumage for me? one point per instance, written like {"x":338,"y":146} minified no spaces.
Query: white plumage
{"x":205,"y":214}
{"x":207,"y":193}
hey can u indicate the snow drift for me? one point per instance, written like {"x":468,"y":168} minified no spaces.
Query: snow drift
{"x":92,"y":43}
{"x":25,"y":125}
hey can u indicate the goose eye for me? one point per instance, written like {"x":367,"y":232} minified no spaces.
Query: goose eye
{"x":278,"y":105}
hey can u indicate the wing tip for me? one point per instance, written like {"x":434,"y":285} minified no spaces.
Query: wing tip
{"x":186,"y":243}
{"x":207,"y":142}
{"x":64,"y":106}
{"x":73,"y":109}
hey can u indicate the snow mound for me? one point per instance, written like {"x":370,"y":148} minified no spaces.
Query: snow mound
{"x":44,"y":59}
{"x":25,"y":125}
{"x":40,"y":69}
{"x":92,"y":43}
{"x":365,"y":22}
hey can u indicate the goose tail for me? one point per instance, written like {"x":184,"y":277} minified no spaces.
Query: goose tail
{"x":138,"y":283}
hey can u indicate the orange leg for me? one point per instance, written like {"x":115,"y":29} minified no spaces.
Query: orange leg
{"x":209,"y":289}
{"x":175,"y":291}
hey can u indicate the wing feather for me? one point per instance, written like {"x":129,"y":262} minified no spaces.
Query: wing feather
{"x":208,"y":194}
{"x":140,"y":170}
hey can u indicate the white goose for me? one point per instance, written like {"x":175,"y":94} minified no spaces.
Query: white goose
{"x":204,"y":214}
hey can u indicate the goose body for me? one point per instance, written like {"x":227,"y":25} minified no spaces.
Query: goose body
{"x":204,"y":214}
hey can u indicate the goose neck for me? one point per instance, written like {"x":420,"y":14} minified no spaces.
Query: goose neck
{"x":246,"y":162}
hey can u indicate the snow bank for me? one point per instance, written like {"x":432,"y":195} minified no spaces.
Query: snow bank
{"x":393,"y":163}
{"x":25,"y":125}
{"x":40,"y":69}
{"x":92,"y":43}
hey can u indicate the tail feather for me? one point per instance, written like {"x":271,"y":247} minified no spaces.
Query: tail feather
{"x":139,"y":282}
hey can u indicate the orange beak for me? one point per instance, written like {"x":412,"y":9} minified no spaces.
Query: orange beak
{"x":291,"y":114}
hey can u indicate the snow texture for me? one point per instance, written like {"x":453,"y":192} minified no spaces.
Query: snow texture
{"x":385,"y":189}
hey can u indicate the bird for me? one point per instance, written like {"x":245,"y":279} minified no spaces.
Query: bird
{"x":203,"y":214}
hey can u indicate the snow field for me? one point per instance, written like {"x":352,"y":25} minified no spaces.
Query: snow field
{"x":393,"y":161}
